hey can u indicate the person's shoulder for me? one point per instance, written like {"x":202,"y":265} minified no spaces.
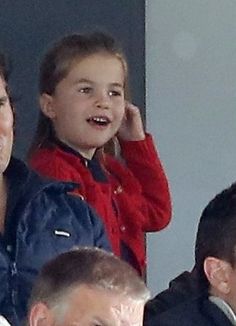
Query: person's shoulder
{"x":184,"y":314}
{"x":49,"y":198}
{"x":52,"y":193}
{"x":181,"y":289}
{"x":43,"y":156}
{"x":32,"y":184}
{"x":57,"y":164}
{"x":199,"y":311}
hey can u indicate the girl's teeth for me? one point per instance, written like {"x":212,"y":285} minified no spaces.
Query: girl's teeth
{"x":99,"y":119}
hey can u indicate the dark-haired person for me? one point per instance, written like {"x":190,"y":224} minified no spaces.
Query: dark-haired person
{"x":38,"y":219}
{"x":212,"y":302}
{"x":87,"y":287}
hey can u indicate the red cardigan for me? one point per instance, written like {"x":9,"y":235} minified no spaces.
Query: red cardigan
{"x":134,"y":201}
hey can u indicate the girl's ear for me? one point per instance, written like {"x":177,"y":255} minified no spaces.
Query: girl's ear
{"x":45,"y":101}
{"x":218,"y":274}
{"x":40,"y":315}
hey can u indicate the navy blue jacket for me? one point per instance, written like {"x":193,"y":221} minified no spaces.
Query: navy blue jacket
{"x":42,"y":221}
{"x":196,"y":312}
{"x":187,"y":286}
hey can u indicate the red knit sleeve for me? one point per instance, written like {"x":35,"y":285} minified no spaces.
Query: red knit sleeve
{"x":142,"y":159}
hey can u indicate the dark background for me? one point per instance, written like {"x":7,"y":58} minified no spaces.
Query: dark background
{"x":29,"y":27}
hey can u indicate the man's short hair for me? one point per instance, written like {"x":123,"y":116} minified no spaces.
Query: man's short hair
{"x":86,"y":266}
{"x":216,"y":236}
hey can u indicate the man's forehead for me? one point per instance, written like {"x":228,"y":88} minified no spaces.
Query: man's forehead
{"x":108,"y":295}
{"x":109,"y":308}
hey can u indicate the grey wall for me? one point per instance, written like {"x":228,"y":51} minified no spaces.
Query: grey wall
{"x":28,"y":28}
{"x":191,"y":110}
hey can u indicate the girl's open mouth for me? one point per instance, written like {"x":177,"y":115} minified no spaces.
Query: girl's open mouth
{"x":99,"y":120}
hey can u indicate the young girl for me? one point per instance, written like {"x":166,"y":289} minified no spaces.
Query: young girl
{"x":84,"y":104}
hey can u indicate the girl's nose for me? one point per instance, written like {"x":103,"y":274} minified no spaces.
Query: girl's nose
{"x":102,"y":101}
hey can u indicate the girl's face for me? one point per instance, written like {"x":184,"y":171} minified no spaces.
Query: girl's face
{"x":88,"y":105}
{"x":6,"y":127}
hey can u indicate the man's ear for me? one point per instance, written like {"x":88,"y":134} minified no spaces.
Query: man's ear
{"x":217,"y":272}
{"x":40,"y":315}
{"x":46,"y":105}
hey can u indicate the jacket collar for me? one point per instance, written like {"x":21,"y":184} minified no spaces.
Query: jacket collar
{"x":223,"y":306}
{"x":93,"y":165}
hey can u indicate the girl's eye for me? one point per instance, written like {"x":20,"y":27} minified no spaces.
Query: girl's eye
{"x":85,"y":90}
{"x":2,"y":102}
{"x":114,"y":93}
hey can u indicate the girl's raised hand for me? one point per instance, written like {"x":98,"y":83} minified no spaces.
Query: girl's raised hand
{"x":132,"y":125}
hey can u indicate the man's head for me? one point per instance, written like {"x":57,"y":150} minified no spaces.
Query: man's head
{"x":86,"y":287}
{"x":215,"y":251}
